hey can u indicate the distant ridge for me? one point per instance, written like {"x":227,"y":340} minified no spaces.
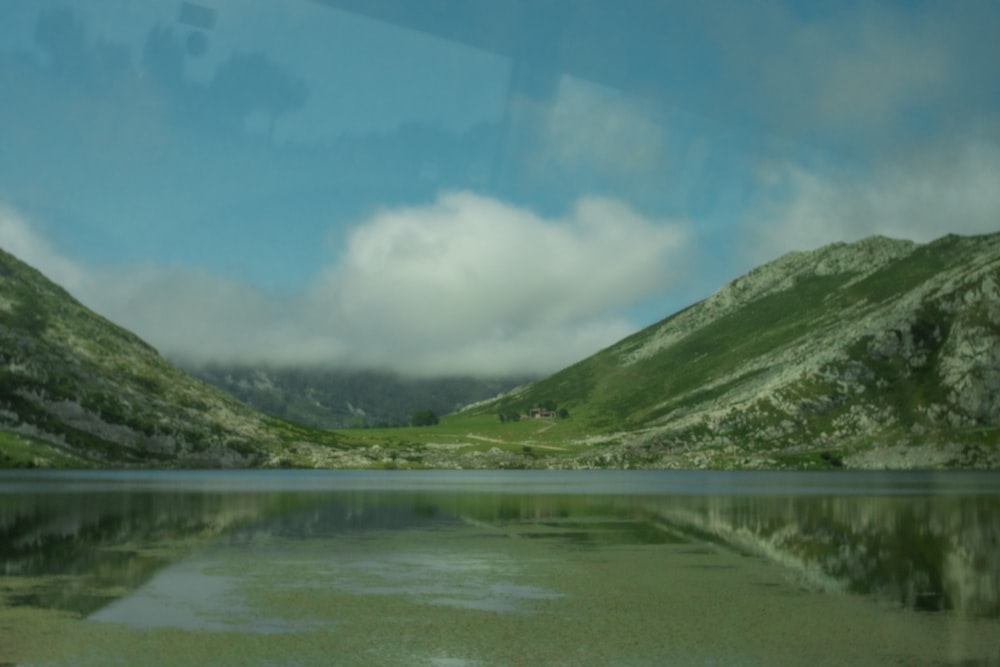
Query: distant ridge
{"x":327,"y":397}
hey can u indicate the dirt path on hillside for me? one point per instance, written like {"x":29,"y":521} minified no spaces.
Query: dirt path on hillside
{"x":529,"y":443}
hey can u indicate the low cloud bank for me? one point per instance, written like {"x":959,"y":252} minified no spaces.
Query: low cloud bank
{"x":466,"y":285}
{"x":919,"y":197}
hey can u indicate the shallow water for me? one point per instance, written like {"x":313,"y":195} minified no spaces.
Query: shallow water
{"x":511,"y":568}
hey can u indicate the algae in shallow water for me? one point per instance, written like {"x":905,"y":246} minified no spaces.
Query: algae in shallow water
{"x":411,"y":597}
{"x":386,"y":577}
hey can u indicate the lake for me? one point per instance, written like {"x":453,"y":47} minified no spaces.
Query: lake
{"x":499,"y":568}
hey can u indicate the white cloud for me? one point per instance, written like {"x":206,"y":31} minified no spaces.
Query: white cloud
{"x":863,"y":72}
{"x":21,"y":240}
{"x":602,"y":128}
{"x":881,"y":119}
{"x":465,"y":285}
{"x":472,"y":278}
{"x":918,"y":196}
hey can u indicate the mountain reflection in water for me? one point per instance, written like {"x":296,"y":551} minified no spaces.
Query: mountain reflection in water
{"x":87,"y":543}
{"x":929,"y":553}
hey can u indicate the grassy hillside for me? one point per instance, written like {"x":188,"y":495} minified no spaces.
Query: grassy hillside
{"x":816,"y":356}
{"x":77,"y":390}
{"x":607,"y":393}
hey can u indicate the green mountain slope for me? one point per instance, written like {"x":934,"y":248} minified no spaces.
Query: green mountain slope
{"x":877,"y":353}
{"x":77,"y":390}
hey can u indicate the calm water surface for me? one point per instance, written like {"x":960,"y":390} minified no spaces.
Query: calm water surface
{"x":511,"y":568}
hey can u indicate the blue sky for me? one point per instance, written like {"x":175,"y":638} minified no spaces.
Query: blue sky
{"x":468,"y":186}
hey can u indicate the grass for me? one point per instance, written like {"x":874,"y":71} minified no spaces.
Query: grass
{"x":466,"y":433}
{"x":21,"y":451}
{"x":288,"y":432}
{"x":897,"y":278}
{"x":605,"y":395}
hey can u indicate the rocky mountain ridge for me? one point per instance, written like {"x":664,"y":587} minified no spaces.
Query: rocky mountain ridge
{"x":947,"y":327}
{"x":880,"y":353}
{"x":859,"y":259}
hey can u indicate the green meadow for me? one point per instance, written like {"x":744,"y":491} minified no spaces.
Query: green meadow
{"x":464,"y":432}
